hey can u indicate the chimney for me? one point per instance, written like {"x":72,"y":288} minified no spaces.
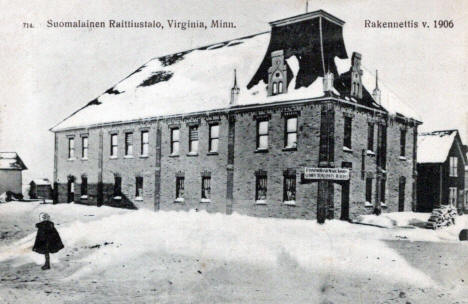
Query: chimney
{"x":356,"y":74}
{"x":234,"y":91}
{"x":328,"y":82}
{"x":376,"y":93}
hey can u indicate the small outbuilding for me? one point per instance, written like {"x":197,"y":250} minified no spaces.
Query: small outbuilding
{"x":11,"y":168}
{"x":441,"y":170}
{"x":40,"y":188}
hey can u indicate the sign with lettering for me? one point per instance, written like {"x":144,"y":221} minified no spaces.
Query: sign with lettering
{"x":326,"y":173}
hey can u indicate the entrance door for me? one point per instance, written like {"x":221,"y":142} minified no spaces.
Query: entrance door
{"x":401,"y":194}
{"x":71,"y":190}
{"x":345,"y":201}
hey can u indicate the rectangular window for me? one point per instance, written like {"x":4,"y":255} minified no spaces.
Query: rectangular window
{"x":370,"y":137}
{"x":347,"y":132}
{"x":206,"y":188}
{"x":193,"y":139}
{"x":175,"y":138}
{"x":382,"y":191}
{"x":71,"y":147}
{"x":113,"y":147}
{"x":453,"y":166}
{"x":138,"y":187}
{"x":261,"y":188}
{"x":84,"y":147}
{"x":402,"y":143}
{"x":291,"y":132}
{"x":117,"y":186}
{"x":262,"y":135}
{"x":144,"y":143}
{"x":369,"y":190}
{"x":128,"y":144}
{"x":214,"y":138}
{"x":289,"y":188}
{"x":84,"y":186}
{"x":180,"y":187}
{"x":453,"y":196}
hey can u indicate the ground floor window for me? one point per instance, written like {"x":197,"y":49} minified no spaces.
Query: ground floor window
{"x":382,"y":192}
{"x":117,"y":187}
{"x":180,"y":187}
{"x":289,"y":187}
{"x":206,"y":188}
{"x":369,"y":190}
{"x":138,"y":187}
{"x":453,"y":196}
{"x":261,"y":187}
{"x":84,"y":187}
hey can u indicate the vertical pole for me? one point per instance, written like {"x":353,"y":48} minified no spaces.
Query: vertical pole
{"x":157,"y":173}
{"x":100,"y":186}
{"x":230,"y":164}
{"x":55,"y":191}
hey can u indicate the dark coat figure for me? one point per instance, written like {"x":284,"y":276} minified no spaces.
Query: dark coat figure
{"x":47,"y":239}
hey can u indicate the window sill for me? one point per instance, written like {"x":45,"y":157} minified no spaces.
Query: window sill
{"x":192,"y":154}
{"x":84,"y":158}
{"x":260,"y":202}
{"x":205,"y":200}
{"x":290,"y":149}
{"x":84,"y":197}
{"x":179,"y":200}
{"x":370,"y":153}
{"x":71,"y":159}
{"x":212,"y":153}
{"x":261,"y":151}
{"x":139,"y":198}
{"x":174,"y":155}
{"x":368,"y":204}
{"x":289,"y":203}
{"x":113,"y":157}
{"x":144,"y":156}
{"x":128,"y":156}
{"x":402,"y":158}
{"x":117,"y":198}
{"x":346,"y":149}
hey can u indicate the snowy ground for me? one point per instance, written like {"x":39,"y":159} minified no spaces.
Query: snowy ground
{"x":122,"y":256}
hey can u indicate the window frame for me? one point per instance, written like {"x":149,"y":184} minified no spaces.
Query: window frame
{"x":368,"y":190}
{"x":453,"y":190}
{"x":258,"y":187}
{"x":128,"y":141}
{"x":84,"y":147}
{"x":113,"y":145}
{"x":267,"y":134}
{"x":370,"y":137}
{"x":71,"y":147}
{"x":180,"y":186}
{"x":286,"y":132}
{"x":192,"y":139}
{"x":211,"y":138}
{"x":291,"y":176}
{"x":139,"y":190}
{"x":117,"y":186}
{"x":402,"y":143}
{"x":453,"y":166}
{"x":144,"y":143}
{"x":84,"y":187}
{"x":174,"y":141}
{"x":347,"y":132}
{"x":206,"y":188}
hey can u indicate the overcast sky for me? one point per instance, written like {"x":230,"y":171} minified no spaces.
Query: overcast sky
{"x":46,"y":74}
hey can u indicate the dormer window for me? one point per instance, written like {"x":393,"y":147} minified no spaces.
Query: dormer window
{"x":277,"y":74}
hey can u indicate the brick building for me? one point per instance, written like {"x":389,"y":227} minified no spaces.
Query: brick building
{"x":441,"y":170}
{"x":232,"y":127}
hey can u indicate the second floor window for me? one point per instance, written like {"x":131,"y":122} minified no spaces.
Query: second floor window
{"x":214,"y":138}
{"x":113,"y":147}
{"x":370,"y":137}
{"x":84,"y":147}
{"x":402,"y":143}
{"x":261,"y":188}
{"x":128,"y":144}
{"x":175,"y":138}
{"x":347,"y":132}
{"x":453,"y":166}
{"x":138,"y":187}
{"x":262,"y":135}
{"x":291,"y":132}
{"x":193,"y":139}
{"x":144,"y":143}
{"x":71,"y":147}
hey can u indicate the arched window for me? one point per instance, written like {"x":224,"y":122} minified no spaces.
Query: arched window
{"x":275,"y":88}
{"x":280,"y":87}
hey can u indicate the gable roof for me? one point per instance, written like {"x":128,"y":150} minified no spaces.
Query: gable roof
{"x":11,"y":161}
{"x":200,"y":79}
{"x":434,"y":147}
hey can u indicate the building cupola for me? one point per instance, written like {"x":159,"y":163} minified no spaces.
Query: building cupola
{"x":376,"y":93}
{"x":356,"y":76}
{"x":234,"y":91}
{"x":277,"y":74}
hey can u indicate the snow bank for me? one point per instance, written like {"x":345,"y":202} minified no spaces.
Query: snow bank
{"x":336,"y":247}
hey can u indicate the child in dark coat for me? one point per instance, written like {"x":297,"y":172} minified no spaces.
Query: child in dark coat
{"x":47,"y":239}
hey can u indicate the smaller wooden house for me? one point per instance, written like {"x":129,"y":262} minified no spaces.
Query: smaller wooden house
{"x":441,"y":170}
{"x":40,"y":188}
{"x":11,"y":167}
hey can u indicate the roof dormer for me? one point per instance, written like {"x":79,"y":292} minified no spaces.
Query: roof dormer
{"x":277,"y":74}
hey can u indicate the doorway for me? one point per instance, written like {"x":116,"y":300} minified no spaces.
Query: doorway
{"x":71,"y":189}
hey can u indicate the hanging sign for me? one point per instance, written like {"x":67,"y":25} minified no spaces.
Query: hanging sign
{"x":326,"y":173}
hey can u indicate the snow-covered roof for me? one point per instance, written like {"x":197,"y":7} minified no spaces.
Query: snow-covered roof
{"x":41,"y":182}
{"x":201,"y":80}
{"x":11,"y":161}
{"x":434,"y":147}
